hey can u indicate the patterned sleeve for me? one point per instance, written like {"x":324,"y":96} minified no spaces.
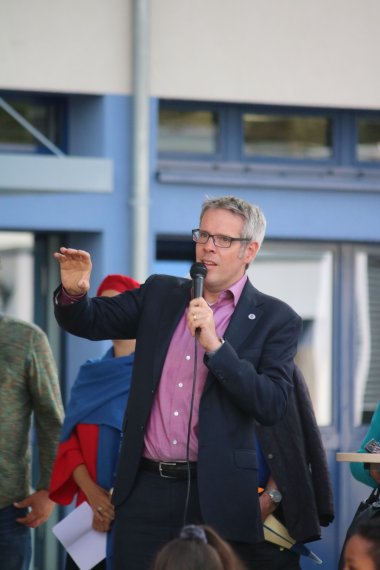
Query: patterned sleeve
{"x":46,"y":403}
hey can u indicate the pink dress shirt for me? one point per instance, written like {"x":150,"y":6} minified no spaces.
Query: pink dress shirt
{"x":167,"y":428}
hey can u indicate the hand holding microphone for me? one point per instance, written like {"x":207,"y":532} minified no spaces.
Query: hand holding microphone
{"x":196,"y":311}
{"x":200,"y":318}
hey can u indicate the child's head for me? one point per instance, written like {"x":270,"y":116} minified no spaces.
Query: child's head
{"x":197,"y":548}
{"x":362,"y":550}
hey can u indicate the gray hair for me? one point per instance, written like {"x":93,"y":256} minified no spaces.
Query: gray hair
{"x":254,"y":220}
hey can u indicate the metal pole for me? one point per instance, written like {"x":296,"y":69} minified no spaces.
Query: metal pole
{"x":140,"y":141}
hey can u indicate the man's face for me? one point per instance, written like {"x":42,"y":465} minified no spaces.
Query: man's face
{"x":225,"y":266}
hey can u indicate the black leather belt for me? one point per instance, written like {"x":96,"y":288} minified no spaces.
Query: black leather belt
{"x":170,"y":469}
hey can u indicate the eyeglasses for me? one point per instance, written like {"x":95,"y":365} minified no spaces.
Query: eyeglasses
{"x":200,"y":236}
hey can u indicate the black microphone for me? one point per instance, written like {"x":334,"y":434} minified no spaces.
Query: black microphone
{"x":198,"y":272}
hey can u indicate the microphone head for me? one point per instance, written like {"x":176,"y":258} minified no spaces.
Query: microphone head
{"x":198,"y":270}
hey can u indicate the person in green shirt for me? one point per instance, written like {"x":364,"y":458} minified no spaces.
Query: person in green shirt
{"x":28,"y":387}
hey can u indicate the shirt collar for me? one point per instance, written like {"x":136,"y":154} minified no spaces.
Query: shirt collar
{"x":235,"y":291}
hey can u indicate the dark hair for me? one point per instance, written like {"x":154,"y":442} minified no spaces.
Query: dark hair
{"x":198,"y":548}
{"x":370,"y":531}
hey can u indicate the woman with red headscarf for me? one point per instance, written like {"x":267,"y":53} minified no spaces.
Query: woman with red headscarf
{"x":90,"y":439}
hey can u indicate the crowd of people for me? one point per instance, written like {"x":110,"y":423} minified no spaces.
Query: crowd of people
{"x":192,"y":429}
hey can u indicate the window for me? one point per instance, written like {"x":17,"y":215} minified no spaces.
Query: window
{"x":16,"y":274}
{"x":45,"y":115}
{"x":367,"y":365}
{"x":368,"y":143}
{"x":248,"y":137}
{"x":188,"y":132}
{"x":287,"y":136}
{"x":302,"y":276}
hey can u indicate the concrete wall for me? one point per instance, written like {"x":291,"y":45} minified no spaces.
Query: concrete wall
{"x":73,"y":46}
{"x":260,"y":51}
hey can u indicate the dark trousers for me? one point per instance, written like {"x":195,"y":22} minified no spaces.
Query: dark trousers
{"x":15,"y":540}
{"x":154,"y":514}
{"x":151,"y":516}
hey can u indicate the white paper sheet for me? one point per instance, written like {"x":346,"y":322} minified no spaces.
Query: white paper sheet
{"x":85,"y":545}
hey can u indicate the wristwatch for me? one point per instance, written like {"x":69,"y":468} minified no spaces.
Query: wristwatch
{"x":274,"y":494}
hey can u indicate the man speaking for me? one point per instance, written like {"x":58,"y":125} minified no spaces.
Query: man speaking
{"x":207,"y":368}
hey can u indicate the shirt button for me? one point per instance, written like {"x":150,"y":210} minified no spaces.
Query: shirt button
{"x":176,"y":413}
{"x":180,"y":384}
{"x":174,"y":442}
{"x":188,"y":357}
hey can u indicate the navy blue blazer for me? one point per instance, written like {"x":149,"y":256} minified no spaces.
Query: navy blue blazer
{"x":249,"y":380}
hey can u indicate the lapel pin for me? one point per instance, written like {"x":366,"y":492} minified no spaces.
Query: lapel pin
{"x":251,"y":316}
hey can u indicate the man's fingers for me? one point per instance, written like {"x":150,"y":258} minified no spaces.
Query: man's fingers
{"x":71,"y":254}
{"x":21,"y":504}
{"x":30,"y":520}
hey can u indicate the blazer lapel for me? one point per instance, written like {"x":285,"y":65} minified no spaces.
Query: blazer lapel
{"x":245,"y":317}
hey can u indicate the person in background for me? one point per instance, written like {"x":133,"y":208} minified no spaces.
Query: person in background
{"x":363,"y":472}
{"x":367,"y":473}
{"x":197,"y":548}
{"x":86,"y":460}
{"x":362,"y":549}
{"x":293,"y":471}
{"x":207,"y":369}
{"x":29,"y":387}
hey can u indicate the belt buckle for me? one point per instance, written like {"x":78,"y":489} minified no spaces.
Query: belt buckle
{"x":163,"y":463}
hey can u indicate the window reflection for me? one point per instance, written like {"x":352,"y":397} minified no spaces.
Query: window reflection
{"x":44,"y":116}
{"x":287,"y":136}
{"x":367,"y":365}
{"x":368,"y":146}
{"x":16,"y":274}
{"x":303,"y":277}
{"x":188,"y":132}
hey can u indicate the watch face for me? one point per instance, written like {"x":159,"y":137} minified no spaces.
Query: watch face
{"x":275,"y":495}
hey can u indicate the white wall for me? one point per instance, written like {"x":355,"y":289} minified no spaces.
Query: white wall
{"x":78,"y":46}
{"x":301,"y":52}
{"x":297,"y":52}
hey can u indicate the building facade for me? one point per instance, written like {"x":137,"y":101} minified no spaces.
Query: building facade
{"x":117,"y":119}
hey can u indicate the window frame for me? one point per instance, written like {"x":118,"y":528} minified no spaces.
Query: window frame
{"x":230,"y":137}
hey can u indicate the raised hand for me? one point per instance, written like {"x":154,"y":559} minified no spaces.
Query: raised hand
{"x":76,"y":266}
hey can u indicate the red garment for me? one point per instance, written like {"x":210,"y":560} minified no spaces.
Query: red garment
{"x":80,"y":448}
